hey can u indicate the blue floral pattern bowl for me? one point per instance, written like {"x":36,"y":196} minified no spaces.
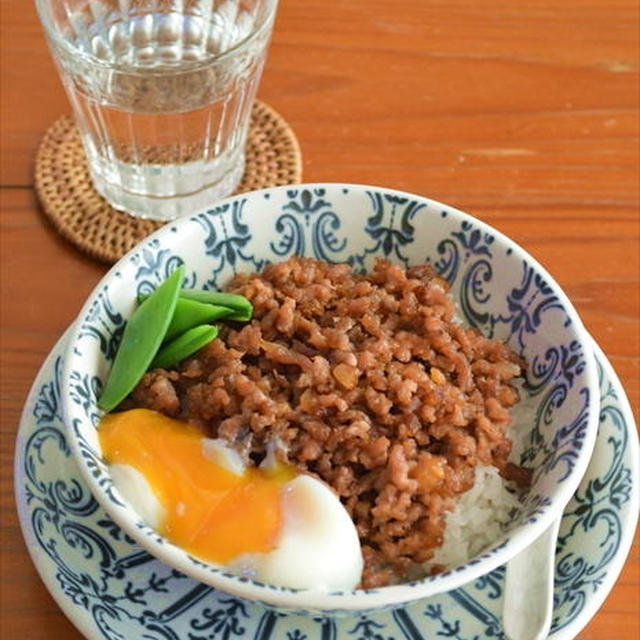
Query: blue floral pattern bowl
{"x":499,"y":289}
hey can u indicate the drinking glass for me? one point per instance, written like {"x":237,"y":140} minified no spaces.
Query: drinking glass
{"x":162,"y":92}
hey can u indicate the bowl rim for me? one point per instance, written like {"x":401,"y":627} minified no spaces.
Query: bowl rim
{"x":358,"y":599}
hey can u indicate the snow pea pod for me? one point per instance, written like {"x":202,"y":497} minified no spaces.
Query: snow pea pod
{"x":142,"y":337}
{"x":184,"y":346}
{"x":189,"y":313}
{"x":242,"y":307}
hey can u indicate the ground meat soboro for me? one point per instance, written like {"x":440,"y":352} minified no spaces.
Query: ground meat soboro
{"x":368,"y":382}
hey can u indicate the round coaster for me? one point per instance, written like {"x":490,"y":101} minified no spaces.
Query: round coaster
{"x":85,"y":218}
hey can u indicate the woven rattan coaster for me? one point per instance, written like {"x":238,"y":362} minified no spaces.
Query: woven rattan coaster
{"x":85,"y":218}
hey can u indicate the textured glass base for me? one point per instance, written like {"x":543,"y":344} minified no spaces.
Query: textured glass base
{"x":171,"y":206}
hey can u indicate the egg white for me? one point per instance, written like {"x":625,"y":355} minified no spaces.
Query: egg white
{"x":135,"y":489}
{"x":318,"y":547}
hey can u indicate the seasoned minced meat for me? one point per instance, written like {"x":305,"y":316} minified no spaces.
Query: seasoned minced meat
{"x":368,"y":382}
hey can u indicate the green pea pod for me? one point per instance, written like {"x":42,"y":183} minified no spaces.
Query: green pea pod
{"x":184,"y":346}
{"x":240,"y":316}
{"x":142,"y":337}
{"x":242,"y":306}
{"x":189,"y":313}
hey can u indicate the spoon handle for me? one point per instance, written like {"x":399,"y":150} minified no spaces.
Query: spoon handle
{"x":528,"y":599}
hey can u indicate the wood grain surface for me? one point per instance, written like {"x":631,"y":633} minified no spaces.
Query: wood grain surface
{"x":524,"y":114}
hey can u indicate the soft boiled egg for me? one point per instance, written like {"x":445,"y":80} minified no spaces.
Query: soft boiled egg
{"x":267,"y":523}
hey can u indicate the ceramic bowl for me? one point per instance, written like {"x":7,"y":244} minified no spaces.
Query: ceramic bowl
{"x":499,"y":289}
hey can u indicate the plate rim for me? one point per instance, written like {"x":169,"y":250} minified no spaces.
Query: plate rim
{"x":628,"y":534}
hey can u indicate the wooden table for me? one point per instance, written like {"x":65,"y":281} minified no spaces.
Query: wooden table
{"x":524,"y":114}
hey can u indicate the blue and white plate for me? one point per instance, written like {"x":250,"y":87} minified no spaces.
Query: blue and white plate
{"x":112,"y":589}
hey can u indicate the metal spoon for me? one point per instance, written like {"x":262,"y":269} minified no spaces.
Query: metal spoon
{"x":528,"y":599}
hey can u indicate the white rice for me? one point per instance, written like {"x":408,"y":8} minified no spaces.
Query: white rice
{"x":477,"y":520}
{"x":482,"y":513}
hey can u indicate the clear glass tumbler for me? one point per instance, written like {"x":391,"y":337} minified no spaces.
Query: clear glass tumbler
{"x":162,"y":92}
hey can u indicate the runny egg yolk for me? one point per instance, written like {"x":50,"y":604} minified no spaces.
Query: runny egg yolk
{"x":210,"y":512}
